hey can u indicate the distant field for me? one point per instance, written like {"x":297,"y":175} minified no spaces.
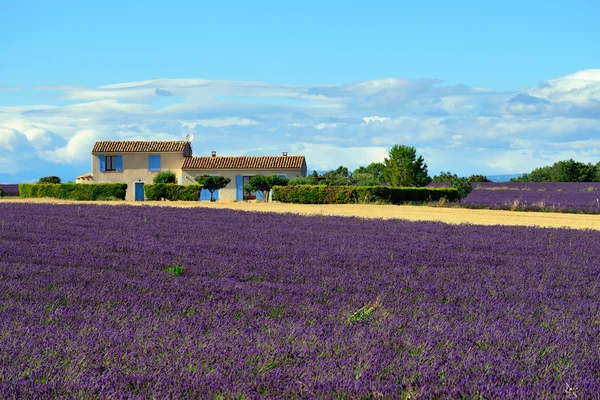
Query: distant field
{"x":10,"y":189}
{"x":582,"y":196}
{"x":165,"y":302}
{"x":546,"y":196}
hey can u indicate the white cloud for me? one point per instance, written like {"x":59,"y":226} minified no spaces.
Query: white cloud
{"x":76,"y":150}
{"x":463,"y":129}
{"x":580,"y":88}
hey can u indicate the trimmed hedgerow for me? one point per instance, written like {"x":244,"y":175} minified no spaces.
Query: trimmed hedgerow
{"x":172,"y":191}
{"x":321,"y":194}
{"x":74,"y":191}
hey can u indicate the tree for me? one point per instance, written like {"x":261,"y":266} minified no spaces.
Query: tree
{"x":165,"y":177}
{"x":444,"y":177}
{"x":478,"y":178}
{"x":212,"y":183}
{"x":2,"y":194}
{"x":337,"y":177}
{"x":49,"y":179}
{"x":264,"y":184}
{"x":371,"y":175}
{"x":463,"y":185}
{"x":404,"y":168}
{"x":563,"y":171}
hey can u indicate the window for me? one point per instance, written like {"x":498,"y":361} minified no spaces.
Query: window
{"x":154,"y":162}
{"x":110,"y":163}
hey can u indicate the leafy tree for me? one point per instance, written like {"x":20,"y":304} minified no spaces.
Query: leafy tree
{"x":563,"y":171}
{"x":312,"y":179}
{"x":371,"y":175}
{"x":463,"y":185}
{"x":478,"y":178}
{"x":276,"y":180}
{"x":49,"y":179}
{"x":212,"y":183}
{"x":404,"y":168}
{"x":264,"y":184}
{"x":2,"y":194}
{"x":444,"y":177}
{"x":338,"y":177}
{"x":167,"y":176}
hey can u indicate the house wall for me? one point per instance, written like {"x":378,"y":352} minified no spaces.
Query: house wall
{"x":135,"y":169}
{"x":228,"y":193}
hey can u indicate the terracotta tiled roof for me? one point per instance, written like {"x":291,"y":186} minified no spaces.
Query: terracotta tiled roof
{"x":140,"y":146}
{"x":85,"y":177}
{"x":244,"y":162}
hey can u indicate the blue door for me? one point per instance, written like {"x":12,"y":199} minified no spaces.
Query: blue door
{"x":139,"y":191}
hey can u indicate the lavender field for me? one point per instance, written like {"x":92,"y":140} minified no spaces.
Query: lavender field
{"x":157,"y":302}
{"x":559,"y":196}
{"x":10,"y":189}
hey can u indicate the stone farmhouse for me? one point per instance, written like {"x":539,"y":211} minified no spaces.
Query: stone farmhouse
{"x":137,"y":163}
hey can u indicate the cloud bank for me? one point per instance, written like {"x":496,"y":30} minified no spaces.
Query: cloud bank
{"x":455,"y":127}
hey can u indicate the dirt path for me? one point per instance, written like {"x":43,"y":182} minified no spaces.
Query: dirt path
{"x":413,"y":213}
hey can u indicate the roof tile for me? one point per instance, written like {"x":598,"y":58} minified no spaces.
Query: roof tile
{"x":140,"y":146}
{"x":244,"y":162}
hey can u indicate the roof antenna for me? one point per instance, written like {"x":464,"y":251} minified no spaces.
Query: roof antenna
{"x":189,"y":137}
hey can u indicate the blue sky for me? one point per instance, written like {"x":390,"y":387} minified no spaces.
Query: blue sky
{"x":477,"y":87}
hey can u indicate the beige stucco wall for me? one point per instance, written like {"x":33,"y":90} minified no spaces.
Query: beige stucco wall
{"x":135,"y":169}
{"x":228,"y":193}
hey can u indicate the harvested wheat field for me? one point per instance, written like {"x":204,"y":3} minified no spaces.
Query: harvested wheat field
{"x":449,"y":215}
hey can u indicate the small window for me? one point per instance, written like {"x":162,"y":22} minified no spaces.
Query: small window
{"x":154,"y":162}
{"x":110,"y":163}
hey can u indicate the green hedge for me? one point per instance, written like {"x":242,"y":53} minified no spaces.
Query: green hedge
{"x":172,"y":191}
{"x":321,"y":194}
{"x":74,"y":191}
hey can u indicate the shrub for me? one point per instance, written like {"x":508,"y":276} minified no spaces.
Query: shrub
{"x":173,"y":192}
{"x":212,"y":183}
{"x":74,"y":191}
{"x":49,"y":179}
{"x":2,"y":194}
{"x":167,"y":176}
{"x":321,"y":194}
{"x":175,"y":270}
{"x":264,"y":184}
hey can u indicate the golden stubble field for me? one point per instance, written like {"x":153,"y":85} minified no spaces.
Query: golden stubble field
{"x":449,"y":215}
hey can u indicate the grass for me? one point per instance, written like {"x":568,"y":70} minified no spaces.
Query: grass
{"x":175,"y":270}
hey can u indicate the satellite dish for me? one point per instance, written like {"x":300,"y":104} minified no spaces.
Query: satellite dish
{"x":189,"y":137}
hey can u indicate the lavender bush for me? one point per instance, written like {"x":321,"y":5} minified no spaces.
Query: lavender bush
{"x":287,"y":306}
{"x":10,"y":189}
{"x":560,"y":196}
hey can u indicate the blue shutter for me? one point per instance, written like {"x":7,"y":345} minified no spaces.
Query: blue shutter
{"x":216,"y":195}
{"x":259,"y":195}
{"x":102,"y":160}
{"x":239,"y":193}
{"x":119,"y":160}
{"x":154,"y":162}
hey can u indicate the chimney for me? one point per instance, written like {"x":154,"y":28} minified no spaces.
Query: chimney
{"x":214,"y":153}
{"x":285,"y":153}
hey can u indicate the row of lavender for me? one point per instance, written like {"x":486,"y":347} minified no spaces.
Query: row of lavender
{"x":10,"y":189}
{"x":560,"y":196}
{"x":284,"y":306}
{"x":582,"y":196}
